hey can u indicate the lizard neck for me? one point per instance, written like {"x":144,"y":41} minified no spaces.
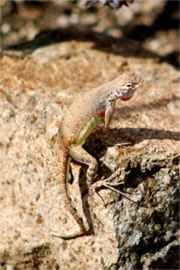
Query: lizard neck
{"x":106,"y":96}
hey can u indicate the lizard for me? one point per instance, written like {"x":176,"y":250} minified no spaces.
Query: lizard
{"x":80,"y":118}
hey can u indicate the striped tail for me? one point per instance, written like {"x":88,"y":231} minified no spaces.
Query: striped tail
{"x":63,"y":176}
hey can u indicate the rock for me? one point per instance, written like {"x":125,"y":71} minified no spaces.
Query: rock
{"x":35,"y":88}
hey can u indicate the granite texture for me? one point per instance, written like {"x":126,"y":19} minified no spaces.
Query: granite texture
{"x":143,"y":142}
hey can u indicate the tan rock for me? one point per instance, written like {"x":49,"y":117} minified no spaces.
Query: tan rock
{"x":34,"y":91}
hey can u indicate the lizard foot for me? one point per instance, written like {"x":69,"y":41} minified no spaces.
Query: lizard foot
{"x":118,"y":191}
{"x":110,"y":185}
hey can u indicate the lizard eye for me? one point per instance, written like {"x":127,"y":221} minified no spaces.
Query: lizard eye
{"x":128,"y":85}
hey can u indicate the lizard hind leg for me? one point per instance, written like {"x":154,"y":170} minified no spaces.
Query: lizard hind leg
{"x":81,"y":155}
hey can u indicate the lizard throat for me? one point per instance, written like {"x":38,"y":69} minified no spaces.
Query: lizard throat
{"x":101,"y":114}
{"x":126,"y":98}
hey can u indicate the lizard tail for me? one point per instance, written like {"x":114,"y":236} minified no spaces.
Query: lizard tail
{"x":63,"y":176}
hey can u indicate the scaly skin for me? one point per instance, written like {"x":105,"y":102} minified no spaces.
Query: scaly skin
{"x":84,"y":114}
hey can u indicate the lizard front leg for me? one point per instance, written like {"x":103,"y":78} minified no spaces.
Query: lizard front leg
{"x":107,"y":119}
{"x":82,"y":156}
{"x":108,"y":114}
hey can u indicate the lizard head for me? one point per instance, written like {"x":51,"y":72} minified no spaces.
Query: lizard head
{"x":125,"y":86}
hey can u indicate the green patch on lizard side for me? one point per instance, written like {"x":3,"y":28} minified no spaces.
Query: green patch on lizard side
{"x":88,"y":129}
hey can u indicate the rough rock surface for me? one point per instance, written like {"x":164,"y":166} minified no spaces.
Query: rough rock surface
{"x":34,"y":90}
